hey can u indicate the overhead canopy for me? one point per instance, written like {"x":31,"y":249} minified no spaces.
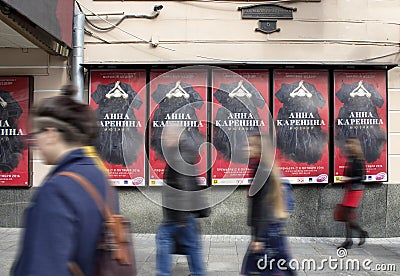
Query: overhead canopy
{"x":47,"y":24}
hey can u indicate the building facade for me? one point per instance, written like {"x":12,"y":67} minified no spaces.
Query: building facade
{"x":278,"y":36}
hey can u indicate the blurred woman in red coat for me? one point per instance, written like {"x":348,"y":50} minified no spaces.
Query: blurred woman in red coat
{"x":354,"y":174}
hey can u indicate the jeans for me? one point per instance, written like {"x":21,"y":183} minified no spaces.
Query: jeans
{"x":188,"y":237}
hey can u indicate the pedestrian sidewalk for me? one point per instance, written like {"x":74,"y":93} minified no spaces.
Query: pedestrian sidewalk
{"x":223,"y":255}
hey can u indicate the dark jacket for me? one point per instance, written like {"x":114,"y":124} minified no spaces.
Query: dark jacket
{"x":355,"y":171}
{"x":180,"y":176}
{"x":260,"y":212}
{"x":63,"y":223}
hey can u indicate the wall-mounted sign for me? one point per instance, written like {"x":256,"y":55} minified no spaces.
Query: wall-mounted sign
{"x":14,"y":109}
{"x":267,"y":26}
{"x":361,"y":111}
{"x":267,"y":11}
{"x":120,"y":104}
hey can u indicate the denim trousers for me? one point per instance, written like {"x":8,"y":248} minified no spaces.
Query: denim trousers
{"x":188,"y":237}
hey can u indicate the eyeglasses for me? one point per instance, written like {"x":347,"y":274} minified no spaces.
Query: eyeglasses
{"x":30,"y":139}
{"x":35,"y":133}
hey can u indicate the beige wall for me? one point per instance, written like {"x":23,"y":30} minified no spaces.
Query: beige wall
{"x":330,"y":30}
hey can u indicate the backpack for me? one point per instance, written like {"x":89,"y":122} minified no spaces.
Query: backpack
{"x":288,"y":195}
{"x":115,"y":248}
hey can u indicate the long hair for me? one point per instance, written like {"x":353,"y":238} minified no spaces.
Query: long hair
{"x":275,"y":194}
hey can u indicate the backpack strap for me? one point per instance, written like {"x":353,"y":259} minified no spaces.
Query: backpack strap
{"x":116,"y":223}
{"x":103,"y":207}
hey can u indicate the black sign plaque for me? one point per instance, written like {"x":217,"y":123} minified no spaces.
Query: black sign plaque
{"x":267,"y":26}
{"x":267,"y":11}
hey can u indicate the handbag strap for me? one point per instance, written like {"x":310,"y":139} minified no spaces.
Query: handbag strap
{"x":91,"y":190}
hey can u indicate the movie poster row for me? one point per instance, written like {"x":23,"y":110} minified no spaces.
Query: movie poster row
{"x":239,"y":106}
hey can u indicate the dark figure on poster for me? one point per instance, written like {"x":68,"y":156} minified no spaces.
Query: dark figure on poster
{"x":305,"y":140}
{"x":243,"y":99}
{"x":177,"y":102}
{"x":360,"y":101}
{"x":118,"y":123}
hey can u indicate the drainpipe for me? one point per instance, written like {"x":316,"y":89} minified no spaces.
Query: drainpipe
{"x":78,"y":45}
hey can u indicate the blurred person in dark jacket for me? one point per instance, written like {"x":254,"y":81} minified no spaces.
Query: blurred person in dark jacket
{"x":63,"y":223}
{"x":181,"y":201}
{"x":266,"y":214}
{"x":354,"y":174}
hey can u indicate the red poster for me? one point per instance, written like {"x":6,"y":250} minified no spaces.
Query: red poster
{"x":14,"y":155}
{"x":361,"y":111}
{"x":240,"y":106}
{"x":177,"y":97}
{"x":119,"y":98}
{"x":301,"y":115}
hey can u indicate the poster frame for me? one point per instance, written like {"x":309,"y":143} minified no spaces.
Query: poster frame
{"x":322,"y":179}
{"x":336,"y":179}
{"x":126,"y":182}
{"x":150,"y":154}
{"x":25,"y":138}
{"x":245,"y":180}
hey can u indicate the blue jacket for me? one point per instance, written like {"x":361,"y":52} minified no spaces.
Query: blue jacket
{"x":63,"y":223}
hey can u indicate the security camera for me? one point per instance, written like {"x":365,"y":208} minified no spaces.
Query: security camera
{"x":157,"y":7}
